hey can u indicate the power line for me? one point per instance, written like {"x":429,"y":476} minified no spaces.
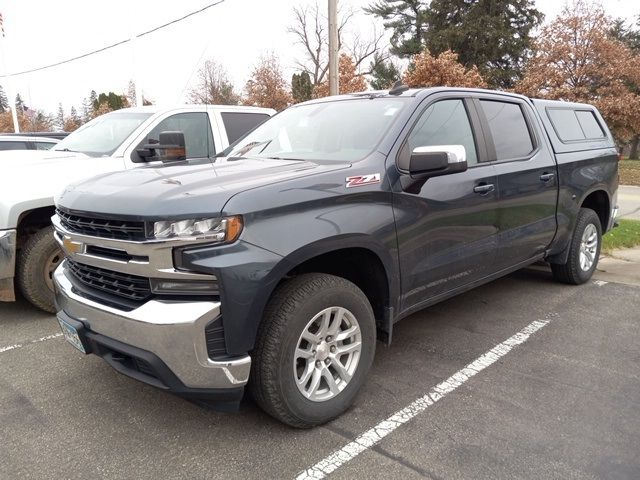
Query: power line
{"x":121,"y":42}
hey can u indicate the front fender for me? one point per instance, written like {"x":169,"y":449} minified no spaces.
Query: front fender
{"x":248,"y":275}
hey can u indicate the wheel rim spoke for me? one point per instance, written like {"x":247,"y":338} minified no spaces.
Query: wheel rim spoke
{"x":315,"y":381}
{"x":301,"y":353}
{"x":349,"y":348}
{"x":331,"y":382}
{"x":302,"y":381}
{"x":345,"y":334}
{"x":342,"y":371}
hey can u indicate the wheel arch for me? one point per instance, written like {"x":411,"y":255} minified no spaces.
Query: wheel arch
{"x":342,"y":256}
{"x":598,"y":200}
{"x":30,"y":221}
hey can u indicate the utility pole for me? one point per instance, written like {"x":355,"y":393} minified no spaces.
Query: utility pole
{"x":333,"y":47}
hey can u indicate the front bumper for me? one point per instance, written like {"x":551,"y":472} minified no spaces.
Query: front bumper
{"x":172,"y":333}
{"x":7,"y":264}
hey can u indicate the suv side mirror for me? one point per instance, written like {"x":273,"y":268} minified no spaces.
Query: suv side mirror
{"x":433,"y":161}
{"x":170,"y":148}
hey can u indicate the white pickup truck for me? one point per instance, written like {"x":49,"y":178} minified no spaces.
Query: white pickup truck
{"x":115,"y":141}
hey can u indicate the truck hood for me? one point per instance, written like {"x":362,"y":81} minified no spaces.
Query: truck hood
{"x":185,"y":190}
{"x":30,"y":178}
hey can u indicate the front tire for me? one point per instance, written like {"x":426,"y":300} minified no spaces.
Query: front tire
{"x":314,"y":348}
{"x":37,"y":260}
{"x":584,"y":250}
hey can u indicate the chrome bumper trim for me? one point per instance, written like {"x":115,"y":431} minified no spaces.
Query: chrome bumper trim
{"x":7,"y":264}
{"x":174,"y":331}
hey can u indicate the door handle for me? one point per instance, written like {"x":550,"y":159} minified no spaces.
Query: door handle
{"x":545,"y":177}
{"x":483,"y":189}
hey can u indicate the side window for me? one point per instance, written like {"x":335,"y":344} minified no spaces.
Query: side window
{"x":444,"y":123}
{"x":13,"y":145}
{"x":197,"y":133}
{"x":237,"y":123}
{"x":590,"y":126}
{"x":44,"y":145}
{"x":509,"y":130}
{"x":566,"y":124}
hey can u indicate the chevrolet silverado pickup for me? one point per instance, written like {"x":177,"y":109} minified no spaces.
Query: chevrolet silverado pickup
{"x":278,"y":266}
{"x":115,"y":141}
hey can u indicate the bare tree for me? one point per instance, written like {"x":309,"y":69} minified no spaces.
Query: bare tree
{"x":310,"y":30}
{"x":213,"y":86}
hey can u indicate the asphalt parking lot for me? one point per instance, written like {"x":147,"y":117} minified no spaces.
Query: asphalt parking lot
{"x":562,"y":403}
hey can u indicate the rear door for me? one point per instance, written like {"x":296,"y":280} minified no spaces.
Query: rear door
{"x":526,"y":178}
{"x":447,"y":230}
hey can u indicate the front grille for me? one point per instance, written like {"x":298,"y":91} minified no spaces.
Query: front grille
{"x":130,"y":287}
{"x":100,"y":227}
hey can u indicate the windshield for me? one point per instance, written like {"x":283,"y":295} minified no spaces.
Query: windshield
{"x":103,"y":135}
{"x":345,"y":130}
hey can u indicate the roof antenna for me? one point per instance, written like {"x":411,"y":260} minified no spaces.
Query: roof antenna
{"x":398,"y":88}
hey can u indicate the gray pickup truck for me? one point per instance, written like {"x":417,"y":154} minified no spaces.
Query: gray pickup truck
{"x":279,"y":265}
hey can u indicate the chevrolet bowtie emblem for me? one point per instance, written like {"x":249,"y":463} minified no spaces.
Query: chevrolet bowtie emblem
{"x":70,"y":246}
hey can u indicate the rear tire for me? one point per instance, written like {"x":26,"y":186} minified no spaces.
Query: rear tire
{"x":36,"y":262}
{"x":307,"y":325}
{"x":584,"y":250}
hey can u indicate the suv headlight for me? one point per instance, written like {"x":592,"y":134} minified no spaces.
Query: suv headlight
{"x":219,"y":230}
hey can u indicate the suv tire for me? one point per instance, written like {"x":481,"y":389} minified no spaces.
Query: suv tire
{"x":37,"y":260}
{"x":337,"y":317}
{"x":584,"y":250}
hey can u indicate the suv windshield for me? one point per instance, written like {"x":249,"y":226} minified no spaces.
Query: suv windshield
{"x":344,"y":130}
{"x":103,"y":135}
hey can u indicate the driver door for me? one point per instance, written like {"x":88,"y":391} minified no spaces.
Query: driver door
{"x":447,"y":232}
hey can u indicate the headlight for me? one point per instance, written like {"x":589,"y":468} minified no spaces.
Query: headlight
{"x":219,"y":230}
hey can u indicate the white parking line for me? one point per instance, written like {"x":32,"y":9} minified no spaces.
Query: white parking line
{"x":37,"y":340}
{"x":372,"y":436}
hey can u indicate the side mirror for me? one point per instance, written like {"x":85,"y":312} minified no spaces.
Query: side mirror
{"x":170,"y":148}
{"x":433,"y":161}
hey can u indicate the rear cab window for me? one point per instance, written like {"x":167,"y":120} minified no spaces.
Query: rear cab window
{"x":13,"y":145}
{"x":508,"y":128}
{"x":238,"y":124}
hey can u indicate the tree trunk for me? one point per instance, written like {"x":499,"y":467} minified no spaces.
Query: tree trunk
{"x":633,"y":152}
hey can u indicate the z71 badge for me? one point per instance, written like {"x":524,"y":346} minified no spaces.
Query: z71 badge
{"x":362,"y":180}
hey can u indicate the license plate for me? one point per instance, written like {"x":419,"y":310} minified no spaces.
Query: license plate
{"x":71,"y":335}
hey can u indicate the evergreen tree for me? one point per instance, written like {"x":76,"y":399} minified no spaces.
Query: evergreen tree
{"x":407,"y":20}
{"x":630,"y":36}
{"x":384,"y":73}
{"x":4,"y":102}
{"x":301,"y":87}
{"x":87,"y":110}
{"x":20,"y":106}
{"x":112,"y":100}
{"x":60,"y":117}
{"x":93,"y":99}
{"x":494,"y":35}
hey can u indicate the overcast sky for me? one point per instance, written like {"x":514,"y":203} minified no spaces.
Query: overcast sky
{"x":234,"y":33}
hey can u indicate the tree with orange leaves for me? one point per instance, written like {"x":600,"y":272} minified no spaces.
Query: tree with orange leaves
{"x":577,"y":60}
{"x":267,"y":86}
{"x":443,"y":70}
{"x":348,"y":79}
